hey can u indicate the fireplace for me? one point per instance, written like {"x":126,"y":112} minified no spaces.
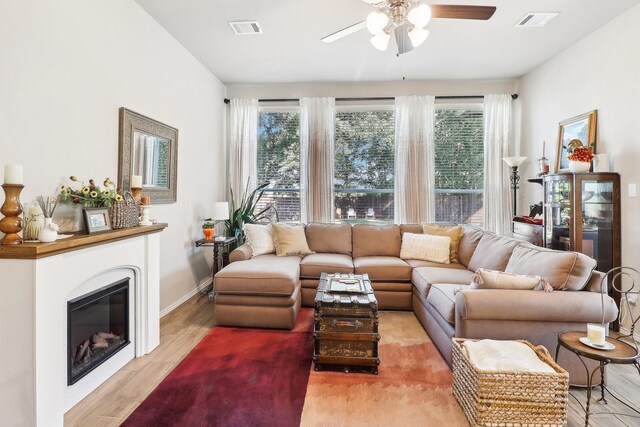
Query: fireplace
{"x":98,"y":327}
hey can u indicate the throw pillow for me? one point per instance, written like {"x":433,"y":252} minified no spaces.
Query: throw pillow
{"x":290,"y":240}
{"x":454,"y":233}
{"x":491,"y":279}
{"x":425,"y":247}
{"x":260,"y":238}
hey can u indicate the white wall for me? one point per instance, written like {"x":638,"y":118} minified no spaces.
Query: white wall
{"x":371,"y":89}
{"x":66,"y":68}
{"x":600,"y":72}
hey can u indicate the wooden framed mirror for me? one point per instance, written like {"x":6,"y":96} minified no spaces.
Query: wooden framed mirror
{"x":150,"y":149}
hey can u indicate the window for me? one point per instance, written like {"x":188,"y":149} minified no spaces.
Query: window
{"x":364,"y":165}
{"x":279,"y":162}
{"x":459,"y":165}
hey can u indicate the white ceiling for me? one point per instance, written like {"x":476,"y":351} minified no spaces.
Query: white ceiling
{"x":290,"y":49}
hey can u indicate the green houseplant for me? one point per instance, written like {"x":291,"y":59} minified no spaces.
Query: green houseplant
{"x":207,"y":229}
{"x":245,"y":213}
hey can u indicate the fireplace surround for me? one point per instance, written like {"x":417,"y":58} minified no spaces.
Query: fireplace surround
{"x":38,"y":282}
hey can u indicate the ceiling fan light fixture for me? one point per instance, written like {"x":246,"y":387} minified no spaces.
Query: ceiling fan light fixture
{"x":376,"y":21}
{"x":418,"y":36}
{"x":420,"y":15}
{"x":381,"y":40}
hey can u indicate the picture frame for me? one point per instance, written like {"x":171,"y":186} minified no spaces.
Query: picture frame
{"x":97,"y":220}
{"x":582,"y":127}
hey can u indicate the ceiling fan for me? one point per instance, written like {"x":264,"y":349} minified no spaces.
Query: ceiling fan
{"x":406,"y":19}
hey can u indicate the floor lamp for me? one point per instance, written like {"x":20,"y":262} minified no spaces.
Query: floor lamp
{"x":514,"y":163}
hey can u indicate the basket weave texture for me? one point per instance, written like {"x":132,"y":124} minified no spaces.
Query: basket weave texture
{"x":124,"y":214}
{"x":510,"y":398}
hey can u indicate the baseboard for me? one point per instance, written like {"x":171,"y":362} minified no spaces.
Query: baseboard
{"x":202,"y":286}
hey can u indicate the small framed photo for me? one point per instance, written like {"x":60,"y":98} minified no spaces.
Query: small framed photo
{"x":582,"y":127}
{"x":97,"y":219}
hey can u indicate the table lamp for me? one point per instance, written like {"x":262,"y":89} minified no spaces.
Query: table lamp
{"x":220,"y":212}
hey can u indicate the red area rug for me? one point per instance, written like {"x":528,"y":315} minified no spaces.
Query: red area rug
{"x":235,"y":377}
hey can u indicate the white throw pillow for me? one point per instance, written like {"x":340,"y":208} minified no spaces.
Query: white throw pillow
{"x":260,"y":238}
{"x":425,"y":247}
{"x":491,"y":279}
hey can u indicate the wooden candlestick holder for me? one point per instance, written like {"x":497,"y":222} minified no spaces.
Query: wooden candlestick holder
{"x":11,"y":224}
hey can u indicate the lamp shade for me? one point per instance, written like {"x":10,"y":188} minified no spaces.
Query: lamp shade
{"x":220,"y":211}
{"x":418,"y":36}
{"x":514,"y":161}
{"x":376,"y":21}
{"x":420,"y":15}
{"x":381,"y":40}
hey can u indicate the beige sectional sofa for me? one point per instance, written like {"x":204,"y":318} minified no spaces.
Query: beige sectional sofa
{"x":267,"y":291}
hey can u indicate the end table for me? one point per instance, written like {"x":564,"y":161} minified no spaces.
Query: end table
{"x":219,"y":246}
{"x":623,"y":353}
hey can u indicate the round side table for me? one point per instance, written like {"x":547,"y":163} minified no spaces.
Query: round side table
{"x":622,"y":354}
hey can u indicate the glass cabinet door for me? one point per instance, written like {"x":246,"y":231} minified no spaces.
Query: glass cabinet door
{"x":597,"y":221}
{"x":558,"y":214}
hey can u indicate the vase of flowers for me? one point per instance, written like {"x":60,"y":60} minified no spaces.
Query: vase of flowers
{"x":89,"y":195}
{"x":579,"y":156}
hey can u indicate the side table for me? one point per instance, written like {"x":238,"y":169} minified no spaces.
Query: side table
{"x":219,"y":246}
{"x":622,"y":354}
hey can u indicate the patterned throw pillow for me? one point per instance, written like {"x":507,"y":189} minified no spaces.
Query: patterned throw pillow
{"x":290,"y":240}
{"x":260,"y":238}
{"x":491,"y":279}
{"x":425,"y":247}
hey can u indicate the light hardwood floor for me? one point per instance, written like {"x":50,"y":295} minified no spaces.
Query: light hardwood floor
{"x":183,"y":328}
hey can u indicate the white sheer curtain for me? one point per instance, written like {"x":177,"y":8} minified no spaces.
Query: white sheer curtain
{"x":414,"y":159}
{"x":243,"y":145}
{"x":317,"y":133}
{"x":497,"y":144}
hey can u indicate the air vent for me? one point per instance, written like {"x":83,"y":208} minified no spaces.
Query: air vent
{"x":536,"y":19}
{"x":246,"y":27}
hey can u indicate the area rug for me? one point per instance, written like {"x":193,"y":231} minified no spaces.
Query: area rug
{"x":235,"y":377}
{"x":413,"y":387}
{"x":250,"y":377}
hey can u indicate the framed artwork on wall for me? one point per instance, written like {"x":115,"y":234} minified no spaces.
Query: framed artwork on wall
{"x":582,"y":127}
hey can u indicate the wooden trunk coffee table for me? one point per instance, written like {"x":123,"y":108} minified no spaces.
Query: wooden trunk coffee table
{"x":346,"y":324}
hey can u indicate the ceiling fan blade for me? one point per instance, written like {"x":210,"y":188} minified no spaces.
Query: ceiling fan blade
{"x":452,"y":11}
{"x":344,"y":32}
{"x":373,"y":2}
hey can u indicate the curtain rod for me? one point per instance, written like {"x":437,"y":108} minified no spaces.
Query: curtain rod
{"x":374,"y":98}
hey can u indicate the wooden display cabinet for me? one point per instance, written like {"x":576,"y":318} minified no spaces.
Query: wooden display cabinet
{"x":582,"y":214}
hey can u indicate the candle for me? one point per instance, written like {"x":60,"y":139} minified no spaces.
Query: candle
{"x":595,"y":334}
{"x":13,"y":174}
{"x":544,"y":143}
{"x":145,"y":200}
{"x":136,"y":181}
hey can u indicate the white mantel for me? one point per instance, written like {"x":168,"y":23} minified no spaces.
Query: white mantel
{"x":33,"y":314}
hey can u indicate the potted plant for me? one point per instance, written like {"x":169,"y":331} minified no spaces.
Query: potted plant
{"x":244,"y":213}
{"x":207,"y":229}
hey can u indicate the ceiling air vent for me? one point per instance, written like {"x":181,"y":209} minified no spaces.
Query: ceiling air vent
{"x":536,"y":19}
{"x":246,"y":27}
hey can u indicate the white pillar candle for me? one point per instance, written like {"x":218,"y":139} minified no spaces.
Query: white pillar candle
{"x":13,"y":174}
{"x":595,"y":334}
{"x":136,"y":181}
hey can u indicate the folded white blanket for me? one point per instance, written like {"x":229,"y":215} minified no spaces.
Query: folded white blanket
{"x":493,"y":355}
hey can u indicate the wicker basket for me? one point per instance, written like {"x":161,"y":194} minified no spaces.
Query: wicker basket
{"x":509,"y":398}
{"x":124,"y":214}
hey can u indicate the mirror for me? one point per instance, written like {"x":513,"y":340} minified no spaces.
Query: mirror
{"x":148,"y":148}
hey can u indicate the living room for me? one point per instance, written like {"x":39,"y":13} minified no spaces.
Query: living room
{"x":69,"y":67}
